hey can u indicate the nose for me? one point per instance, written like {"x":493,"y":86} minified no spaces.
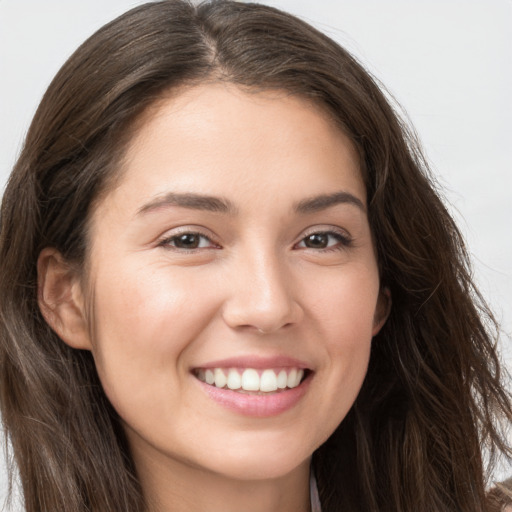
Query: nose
{"x":262,"y":295}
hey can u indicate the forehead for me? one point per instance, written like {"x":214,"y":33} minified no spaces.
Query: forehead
{"x":217,"y":137}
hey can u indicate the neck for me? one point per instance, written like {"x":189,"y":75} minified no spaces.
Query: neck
{"x":173,"y":486}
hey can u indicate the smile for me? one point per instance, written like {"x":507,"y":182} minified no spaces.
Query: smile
{"x":251,"y":380}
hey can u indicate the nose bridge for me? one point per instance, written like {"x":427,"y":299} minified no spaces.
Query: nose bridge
{"x":262,"y":291}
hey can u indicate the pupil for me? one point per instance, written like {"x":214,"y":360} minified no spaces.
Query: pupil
{"x":317,"y":241}
{"x":188,"y":241}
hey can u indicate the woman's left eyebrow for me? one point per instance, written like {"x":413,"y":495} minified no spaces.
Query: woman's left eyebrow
{"x":189,"y":200}
{"x":324,"y":201}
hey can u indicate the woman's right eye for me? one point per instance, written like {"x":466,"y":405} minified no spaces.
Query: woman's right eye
{"x":188,"y":241}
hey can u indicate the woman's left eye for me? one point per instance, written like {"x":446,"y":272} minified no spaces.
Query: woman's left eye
{"x":324,"y":240}
{"x":188,"y":241}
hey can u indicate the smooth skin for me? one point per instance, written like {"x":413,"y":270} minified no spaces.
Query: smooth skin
{"x":238,"y":227}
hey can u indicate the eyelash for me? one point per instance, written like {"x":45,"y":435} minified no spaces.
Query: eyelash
{"x":169,"y":241}
{"x":343,"y":241}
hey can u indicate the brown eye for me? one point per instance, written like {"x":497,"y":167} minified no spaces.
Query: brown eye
{"x":317,"y":241}
{"x":325,"y":240}
{"x":188,"y":241}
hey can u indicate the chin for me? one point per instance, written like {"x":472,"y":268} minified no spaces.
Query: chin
{"x":260,"y":460}
{"x":257,"y":469}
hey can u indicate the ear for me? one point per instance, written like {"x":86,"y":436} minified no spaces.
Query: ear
{"x":61,"y":300}
{"x":382,"y":310}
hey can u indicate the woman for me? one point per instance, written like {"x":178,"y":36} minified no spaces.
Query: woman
{"x":235,"y":277}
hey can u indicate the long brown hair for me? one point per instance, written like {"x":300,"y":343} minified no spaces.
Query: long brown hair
{"x":433,"y":398}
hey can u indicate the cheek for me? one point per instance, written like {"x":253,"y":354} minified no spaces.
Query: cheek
{"x":143,"y":321}
{"x":344,"y":318}
{"x":345,"y":305}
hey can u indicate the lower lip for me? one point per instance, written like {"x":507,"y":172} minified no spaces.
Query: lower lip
{"x":260,"y":406}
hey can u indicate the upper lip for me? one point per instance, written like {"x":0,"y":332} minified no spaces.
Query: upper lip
{"x":257,"y":362}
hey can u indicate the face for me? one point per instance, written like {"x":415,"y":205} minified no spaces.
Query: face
{"x":232,"y":283}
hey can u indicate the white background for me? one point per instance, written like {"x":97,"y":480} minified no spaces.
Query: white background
{"x":448,"y":62}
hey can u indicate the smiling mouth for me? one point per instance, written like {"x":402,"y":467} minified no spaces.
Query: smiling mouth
{"x":252,"y":381}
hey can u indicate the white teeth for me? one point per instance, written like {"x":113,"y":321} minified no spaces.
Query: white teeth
{"x":234,"y":379}
{"x":282,"y":379}
{"x":209,"y":377}
{"x":220,"y":378}
{"x":250,"y":380}
{"x":292,"y":378}
{"x":265,"y":381}
{"x":268,"y":381}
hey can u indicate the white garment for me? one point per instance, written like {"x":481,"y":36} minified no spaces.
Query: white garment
{"x":313,"y":493}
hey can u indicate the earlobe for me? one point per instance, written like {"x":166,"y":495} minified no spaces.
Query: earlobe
{"x":382,"y":310}
{"x":61,"y":300}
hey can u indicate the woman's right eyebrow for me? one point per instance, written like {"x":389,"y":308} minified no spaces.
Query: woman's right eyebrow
{"x":189,"y":200}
